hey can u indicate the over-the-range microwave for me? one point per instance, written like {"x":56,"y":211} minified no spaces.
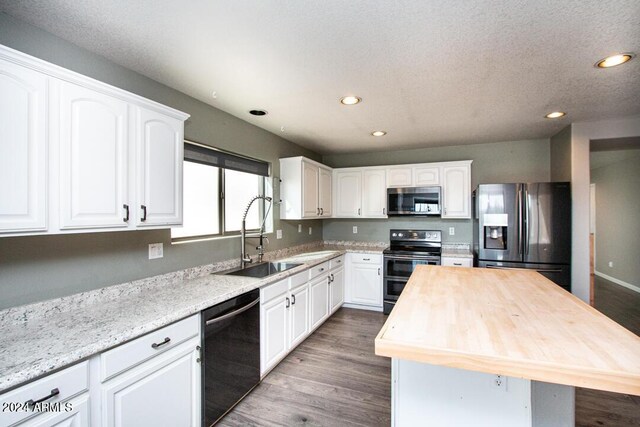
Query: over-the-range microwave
{"x":414,"y":200}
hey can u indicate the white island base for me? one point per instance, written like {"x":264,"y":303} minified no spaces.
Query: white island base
{"x":429,"y":395}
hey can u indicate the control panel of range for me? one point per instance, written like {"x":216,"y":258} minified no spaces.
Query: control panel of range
{"x":416,"y":235}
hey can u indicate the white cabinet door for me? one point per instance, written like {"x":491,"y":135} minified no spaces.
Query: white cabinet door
{"x":160,"y":146}
{"x":23,"y":149}
{"x":426,"y":175}
{"x":298,"y":316}
{"x":93,"y":158}
{"x":366,"y":284}
{"x":399,"y":177}
{"x":164,"y":391}
{"x":319,"y":290}
{"x":324,"y":192}
{"x":273,"y":332}
{"x":310,"y":208}
{"x":348,"y":194}
{"x":456,"y":191}
{"x":77,"y":415}
{"x":374,"y":194}
{"x":336,"y":289}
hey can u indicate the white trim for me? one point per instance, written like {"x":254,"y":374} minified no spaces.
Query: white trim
{"x":618,"y":282}
{"x":28,"y":61}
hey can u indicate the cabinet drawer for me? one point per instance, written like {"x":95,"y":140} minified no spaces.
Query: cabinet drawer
{"x":366,"y":258}
{"x":272,"y":291}
{"x":115,"y":361}
{"x":336,"y":262}
{"x":298,"y":279}
{"x":68,"y":383}
{"x":456,"y":262}
{"x":318,"y":270}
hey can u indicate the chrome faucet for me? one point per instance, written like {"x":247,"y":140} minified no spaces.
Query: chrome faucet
{"x":244,"y":258}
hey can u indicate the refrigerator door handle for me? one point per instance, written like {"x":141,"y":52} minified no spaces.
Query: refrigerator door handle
{"x":519,"y":219}
{"x":525,"y":234}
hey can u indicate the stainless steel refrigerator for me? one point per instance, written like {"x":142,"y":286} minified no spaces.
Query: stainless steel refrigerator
{"x":525,"y":226}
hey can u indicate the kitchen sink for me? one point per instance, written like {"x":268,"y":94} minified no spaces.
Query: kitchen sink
{"x":263,"y":269}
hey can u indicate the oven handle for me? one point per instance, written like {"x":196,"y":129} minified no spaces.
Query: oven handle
{"x":233,"y":313}
{"x":412,"y":257}
{"x":539,"y":270}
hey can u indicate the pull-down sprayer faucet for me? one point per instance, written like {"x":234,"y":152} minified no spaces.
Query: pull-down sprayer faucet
{"x":244,"y":258}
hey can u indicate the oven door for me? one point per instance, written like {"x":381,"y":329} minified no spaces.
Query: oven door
{"x":403,"y":266}
{"x":393,"y":288}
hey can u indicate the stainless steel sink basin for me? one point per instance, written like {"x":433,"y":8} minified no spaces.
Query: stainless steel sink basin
{"x":263,"y":269}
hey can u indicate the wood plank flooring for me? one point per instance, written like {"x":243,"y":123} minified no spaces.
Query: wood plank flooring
{"x":332,"y":379}
{"x":596,"y":408}
{"x":335,"y":379}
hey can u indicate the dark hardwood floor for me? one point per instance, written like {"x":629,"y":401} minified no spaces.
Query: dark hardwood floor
{"x":598,"y":408}
{"x":335,"y":379}
{"x":331,"y":379}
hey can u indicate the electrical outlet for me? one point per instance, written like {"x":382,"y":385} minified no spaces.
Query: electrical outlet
{"x":155,"y":250}
{"x":278,"y":234}
{"x":500,"y":381}
{"x":355,"y":229}
{"x":452,"y":231}
{"x":310,"y":231}
{"x":611,"y":264}
{"x":299,"y":228}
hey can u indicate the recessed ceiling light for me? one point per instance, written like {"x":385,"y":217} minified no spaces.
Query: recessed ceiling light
{"x":555,"y":115}
{"x":613,"y":60}
{"x":258,"y":112}
{"x":379,"y":133}
{"x":350,"y":100}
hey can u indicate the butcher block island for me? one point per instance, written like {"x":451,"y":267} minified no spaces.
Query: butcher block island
{"x":472,"y":346}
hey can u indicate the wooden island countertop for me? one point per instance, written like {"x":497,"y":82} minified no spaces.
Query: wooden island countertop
{"x":509,"y":322}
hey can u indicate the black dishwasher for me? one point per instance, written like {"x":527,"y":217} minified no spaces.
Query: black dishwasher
{"x":231,"y":354}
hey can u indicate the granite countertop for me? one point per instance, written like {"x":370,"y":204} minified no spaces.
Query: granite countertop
{"x":43,"y":337}
{"x":456,"y":250}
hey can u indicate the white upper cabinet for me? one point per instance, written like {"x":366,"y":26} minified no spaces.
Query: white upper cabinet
{"x":310,"y":180}
{"x":374,"y":193}
{"x":93,"y":143}
{"x":426,"y":175}
{"x":23,"y":149}
{"x":305,"y":189}
{"x":81,"y":155}
{"x":324,"y":192}
{"x":160,"y":150}
{"x":348,"y":189}
{"x":456,"y":194}
{"x":399,"y":176}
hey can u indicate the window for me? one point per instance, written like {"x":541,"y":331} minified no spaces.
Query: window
{"x":215,"y":197}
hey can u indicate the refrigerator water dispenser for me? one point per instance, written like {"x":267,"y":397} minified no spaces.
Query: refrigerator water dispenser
{"x":495,"y":231}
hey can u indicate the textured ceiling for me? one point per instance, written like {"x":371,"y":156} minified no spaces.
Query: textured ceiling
{"x":431,"y":72}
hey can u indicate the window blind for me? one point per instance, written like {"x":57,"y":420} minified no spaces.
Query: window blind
{"x":211,"y":156}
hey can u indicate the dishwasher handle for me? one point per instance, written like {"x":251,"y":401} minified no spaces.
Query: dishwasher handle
{"x":233,"y":313}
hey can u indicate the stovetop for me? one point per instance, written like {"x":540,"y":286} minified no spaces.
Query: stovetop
{"x":414,"y":242}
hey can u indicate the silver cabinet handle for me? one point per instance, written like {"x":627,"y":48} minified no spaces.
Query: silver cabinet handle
{"x":288,"y":302}
{"x":366,"y":259}
{"x":321,"y":211}
{"x":156,"y":345}
{"x":318,"y":211}
{"x":126,"y":213}
{"x":358,"y":211}
{"x":457,"y":263}
{"x":329,"y":280}
{"x":384,"y":211}
{"x":378,"y":271}
{"x":332,"y":278}
{"x":144,"y":213}
{"x":293,"y":299}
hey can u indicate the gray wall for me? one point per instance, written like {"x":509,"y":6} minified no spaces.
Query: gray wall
{"x":514,"y":161}
{"x":42,"y":267}
{"x":617,"y":225}
{"x":560,"y":155}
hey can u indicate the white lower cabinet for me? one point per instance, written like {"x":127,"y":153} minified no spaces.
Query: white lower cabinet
{"x":162,"y":391}
{"x":336,"y":290}
{"x":456,"y":262}
{"x":319,"y":309}
{"x":364,"y":281}
{"x":274,"y":325}
{"x":298,"y":315}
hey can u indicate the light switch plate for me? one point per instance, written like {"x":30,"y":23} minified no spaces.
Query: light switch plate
{"x":156,"y":250}
{"x":278,"y":234}
{"x":355,"y":229}
{"x":452,"y":231}
{"x":310,"y":231}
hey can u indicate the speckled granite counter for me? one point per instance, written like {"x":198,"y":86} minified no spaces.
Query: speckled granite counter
{"x":46,"y":336}
{"x":456,"y":250}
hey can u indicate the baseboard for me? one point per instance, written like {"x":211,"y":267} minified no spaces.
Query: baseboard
{"x":618,"y":281}
{"x":362,"y":307}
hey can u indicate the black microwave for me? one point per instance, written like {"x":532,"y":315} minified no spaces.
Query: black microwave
{"x":417,"y":201}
